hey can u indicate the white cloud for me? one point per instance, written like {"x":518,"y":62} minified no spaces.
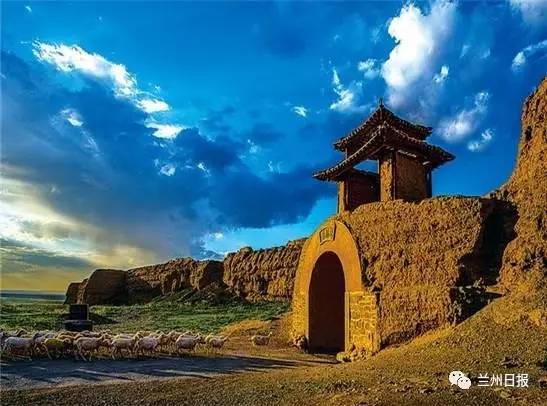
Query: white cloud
{"x":442,"y":75}
{"x":253,"y":148}
{"x":165,"y":131}
{"x":73,"y":58}
{"x":73,"y":117}
{"x":375,"y":33}
{"x":301,"y":111}
{"x":533,"y":11}
{"x":369,"y":68}
{"x":28,"y":8}
{"x":419,"y":40}
{"x":274,"y":167}
{"x":464,"y":50}
{"x":347,"y":101}
{"x":26,"y":217}
{"x":485,"y":139}
{"x":518,"y":61}
{"x":152,"y":105}
{"x":522,"y":56}
{"x":201,"y":166}
{"x":217,"y":236}
{"x":466,"y":121}
{"x":478,"y":50}
{"x":168,"y":169}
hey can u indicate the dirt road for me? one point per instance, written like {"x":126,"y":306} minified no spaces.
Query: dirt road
{"x":53,"y":373}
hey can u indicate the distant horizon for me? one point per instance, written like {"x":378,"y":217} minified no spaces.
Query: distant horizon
{"x":135,"y":135}
{"x":32,"y":290}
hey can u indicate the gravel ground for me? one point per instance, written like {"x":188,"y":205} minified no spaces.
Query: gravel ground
{"x":44,"y":373}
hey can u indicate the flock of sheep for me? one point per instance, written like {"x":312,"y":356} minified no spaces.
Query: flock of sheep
{"x":86,"y":344}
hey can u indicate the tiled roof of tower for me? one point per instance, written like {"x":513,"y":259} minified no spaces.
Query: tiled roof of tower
{"x":375,"y":142}
{"x":382,"y":115}
{"x":386,"y":136}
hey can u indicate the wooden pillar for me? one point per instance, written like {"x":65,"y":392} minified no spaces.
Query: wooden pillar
{"x":342,"y":197}
{"x":387,"y":176}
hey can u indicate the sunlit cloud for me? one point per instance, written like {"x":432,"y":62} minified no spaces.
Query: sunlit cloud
{"x":301,"y":111}
{"x":116,"y":76}
{"x":152,"y":105}
{"x":202,"y":167}
{"x":370,"y":68}
{"x":69,"y":58}
{"x":419,"y":40}
{"x":442,"y":75}
{"x":168,"y":169}
{"x":348,"y":96}
{"x":73,"y":117}
{"x":165,"y":131}
{"x":38,"y":240}
{"x":530,"y":51}
{"x":460,"y":126}
{"x":533,"y":12}
{"x":478,"y":145}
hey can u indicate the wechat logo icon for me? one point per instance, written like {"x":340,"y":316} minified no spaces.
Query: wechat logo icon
{"x":458,"y":378}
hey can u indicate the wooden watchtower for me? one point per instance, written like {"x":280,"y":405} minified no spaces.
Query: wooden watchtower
{"x":405,"y":161}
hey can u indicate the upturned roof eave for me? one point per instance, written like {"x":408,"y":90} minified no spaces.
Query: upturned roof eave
{"x":384,"y":116}
{"x":381,"y":138}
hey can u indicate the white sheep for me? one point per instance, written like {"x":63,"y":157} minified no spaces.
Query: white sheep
{"x":186,"y":343}
{"x":90,"y":344}
{"x":216,"y":343}
{"x":146,"y":344}
{"x":55,"y":345}
{"x":122,"y":343}
{"x":24,"y":344}
{"x":40,"y":338}
{"x":259,"y":339}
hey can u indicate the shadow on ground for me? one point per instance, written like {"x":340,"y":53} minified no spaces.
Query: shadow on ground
{"x":50,"y":373}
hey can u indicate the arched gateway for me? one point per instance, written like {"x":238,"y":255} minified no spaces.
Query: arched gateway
{"x":328,"y":286}
{"x":327,"y":304}
{"x":330,"y":306}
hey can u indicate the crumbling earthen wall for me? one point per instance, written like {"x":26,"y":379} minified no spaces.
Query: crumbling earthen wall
{"x":416,"y":255}
{"x":418,"y":265}
{"x":147,"y":282}
{"x":524,"y":267}
{"x":73,"y":292}
{"x":263,"y":274}
{"x":104,"y":286}
{"x":193,"y":274}
{"x":255,"y":275}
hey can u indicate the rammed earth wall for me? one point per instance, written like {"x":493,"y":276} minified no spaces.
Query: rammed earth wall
{"x":266,"y":274}
{"x":420,"y":265}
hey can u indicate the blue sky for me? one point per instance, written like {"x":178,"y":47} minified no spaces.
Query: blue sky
{"x":133,"y":133}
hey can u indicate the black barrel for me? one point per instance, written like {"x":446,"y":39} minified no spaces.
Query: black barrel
{"x":78,"y":312}
{"x":78,"y":318}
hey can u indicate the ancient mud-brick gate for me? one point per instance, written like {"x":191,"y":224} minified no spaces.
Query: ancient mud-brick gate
{"x":330,"y":303}
{"x":335,"y":304}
